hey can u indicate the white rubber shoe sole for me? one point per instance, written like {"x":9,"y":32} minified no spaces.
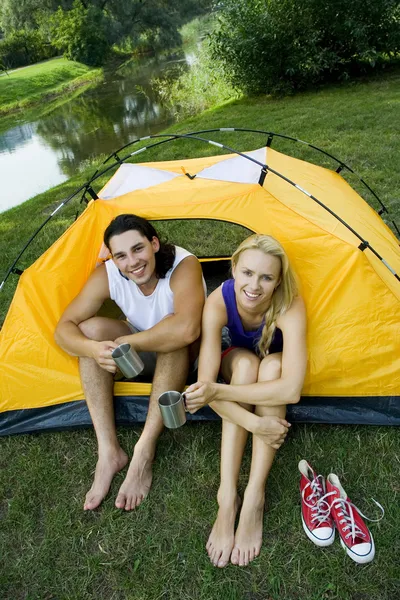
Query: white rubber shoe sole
{"x":321,"y":542}
{"x":361,"y":559}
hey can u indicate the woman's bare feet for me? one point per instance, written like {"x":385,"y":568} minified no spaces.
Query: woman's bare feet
{"x":138,"y":480}
{"x":220,"y":543}
{"x":107,"y":466}
{"x":248,"y":536}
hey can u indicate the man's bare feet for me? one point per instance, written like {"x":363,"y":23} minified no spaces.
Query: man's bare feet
{"x":248,"y":536}
{"x":107,"y":466}
{"x":272,"y":430}
{"x":138,"y":480}
{"x":220,"y":543}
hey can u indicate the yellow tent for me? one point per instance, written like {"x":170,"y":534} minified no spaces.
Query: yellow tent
{"x":346,"y":258}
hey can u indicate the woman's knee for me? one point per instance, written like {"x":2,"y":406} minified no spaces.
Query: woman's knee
{"x":270,"y":367}
{"x":245,"y":368}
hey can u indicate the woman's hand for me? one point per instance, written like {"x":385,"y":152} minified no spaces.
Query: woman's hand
{"x":271,"y":430}
{"x":199,"y":394}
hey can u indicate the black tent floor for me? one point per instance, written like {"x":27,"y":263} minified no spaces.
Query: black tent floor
{"x":131,"y":410}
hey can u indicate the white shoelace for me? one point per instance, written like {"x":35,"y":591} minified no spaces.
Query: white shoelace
{"x":320,"y":509}
{"x":346,"y":516}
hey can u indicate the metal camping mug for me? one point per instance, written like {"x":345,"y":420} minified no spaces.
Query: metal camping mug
{"x":172,"y":408}
{"x":128,"y":361}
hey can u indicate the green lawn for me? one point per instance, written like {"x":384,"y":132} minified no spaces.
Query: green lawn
{"x":29,"y":85}
{"x":51,"y":550}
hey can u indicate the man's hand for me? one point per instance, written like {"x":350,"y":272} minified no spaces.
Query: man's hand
{"x":199,"y":394}
{"x":271,"y":430}
{"x":101,"y":352}
{"x":125,"y":339}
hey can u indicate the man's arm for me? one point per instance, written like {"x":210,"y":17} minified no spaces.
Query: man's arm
{"x":182,"y":327}
{"x":67,"y":334}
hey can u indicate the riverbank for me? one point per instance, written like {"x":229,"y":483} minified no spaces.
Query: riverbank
{"x":356,"y":122}
{"x":35,"y":84}
{"x":52,"y":549}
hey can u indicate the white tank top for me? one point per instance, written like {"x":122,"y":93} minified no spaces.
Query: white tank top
{"x":144,"y":311}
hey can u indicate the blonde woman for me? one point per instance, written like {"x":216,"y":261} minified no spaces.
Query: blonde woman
{"x":265,"y":367}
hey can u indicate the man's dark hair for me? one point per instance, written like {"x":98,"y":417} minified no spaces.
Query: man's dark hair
{"x":164,"y":257}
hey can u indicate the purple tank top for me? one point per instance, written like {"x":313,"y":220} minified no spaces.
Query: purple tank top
{"x":240,"y":337}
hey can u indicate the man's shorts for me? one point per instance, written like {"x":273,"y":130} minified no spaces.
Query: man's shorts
{"x":149,"y":358}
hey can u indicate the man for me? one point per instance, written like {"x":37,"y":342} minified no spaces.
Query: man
{"x":160,"y":289}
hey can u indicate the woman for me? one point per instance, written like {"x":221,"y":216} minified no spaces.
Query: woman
{"x":265,"y":367}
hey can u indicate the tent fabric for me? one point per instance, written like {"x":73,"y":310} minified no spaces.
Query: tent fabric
{"x":236,"y":169}
{"x":352,"y":298}
{"x":133,"y":177}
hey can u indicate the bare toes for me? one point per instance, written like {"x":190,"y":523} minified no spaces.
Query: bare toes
{"x":224,"y":559}
{"x":120,"y":501}
{"x":235,"y":556}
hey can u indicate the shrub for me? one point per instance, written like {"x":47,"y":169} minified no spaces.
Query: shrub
{"x":82,"y":34}
{"x":285,"y":45}
{"x":24,"y":47}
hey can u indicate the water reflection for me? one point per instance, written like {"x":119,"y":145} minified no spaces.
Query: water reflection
{"x":50,"y":149}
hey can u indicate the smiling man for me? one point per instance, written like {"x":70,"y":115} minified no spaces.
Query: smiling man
{"x":160,"y":289}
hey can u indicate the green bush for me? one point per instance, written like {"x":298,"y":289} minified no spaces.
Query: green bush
{"x":24,"y":47}
{"x":82,"y":34}
{"x":284,"y":45}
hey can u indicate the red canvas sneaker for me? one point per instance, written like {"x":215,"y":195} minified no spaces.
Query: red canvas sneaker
{"x":315,"y":510}
{"x":355,"y":536}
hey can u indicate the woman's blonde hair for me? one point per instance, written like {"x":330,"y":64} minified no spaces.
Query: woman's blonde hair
{"x":284,"y":293}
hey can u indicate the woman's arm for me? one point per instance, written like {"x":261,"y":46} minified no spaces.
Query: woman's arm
{"x":282,"y":391}
{"x":214,"y":319}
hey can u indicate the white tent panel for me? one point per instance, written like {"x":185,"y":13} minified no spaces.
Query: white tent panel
{"x":237,"y":169}
{"x":130,"y":177}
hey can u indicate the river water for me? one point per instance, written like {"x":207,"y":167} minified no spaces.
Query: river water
{"x":39,"y":153}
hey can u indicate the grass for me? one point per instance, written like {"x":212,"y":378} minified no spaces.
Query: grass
{"x":51,"y":550}
{"x":30,"y":85}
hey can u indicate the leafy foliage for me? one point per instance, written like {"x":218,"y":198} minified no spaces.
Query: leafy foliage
{"x":284,"y":45}
{"x":86,"y":29}
{"x":81,"y":33}
{"x":24,"y":47}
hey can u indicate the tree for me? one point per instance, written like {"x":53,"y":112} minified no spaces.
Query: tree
{"x":87,"y":27}
{"x":81,"y":33}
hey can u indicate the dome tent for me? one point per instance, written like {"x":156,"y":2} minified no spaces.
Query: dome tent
{"x":347,"y":260}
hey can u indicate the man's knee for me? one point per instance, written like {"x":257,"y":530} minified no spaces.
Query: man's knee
{"x":94,"y":329}
{"x":270,"y":368}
